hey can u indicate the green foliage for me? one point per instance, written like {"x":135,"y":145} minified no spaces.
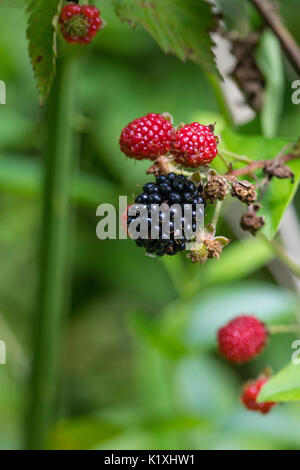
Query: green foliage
{"x":270,"y":62}
{"x":82,"y":433}
{"x":239,"y":260}
{"x":179,"y":27}
{"x":280,"y":192}
{"x":139,"y":365}
{"x":269,"y":303}
{"x":283,"y":386}
{"x":41,"y":34}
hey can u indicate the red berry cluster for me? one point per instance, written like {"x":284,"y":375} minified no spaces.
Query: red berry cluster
{"x":194,"y":145}
{"x":79,"y":24}
{"x":242,"y":339}
{"x":250,"y":394}
{"x":153,"y":135}
{"x":147,"y":137}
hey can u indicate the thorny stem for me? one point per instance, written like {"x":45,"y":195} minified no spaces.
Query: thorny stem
{"x":272,"y":18}
{"x":274,"y":329}
{"x":54,"y":265}
{"x":260,"y":164}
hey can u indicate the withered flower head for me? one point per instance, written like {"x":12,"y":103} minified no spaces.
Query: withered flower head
{"x":279,"y":170}
{"x":244,"y":191}
{"x":250,"y":221}
{"x":208,"y":246}
{"x":216,"y":188}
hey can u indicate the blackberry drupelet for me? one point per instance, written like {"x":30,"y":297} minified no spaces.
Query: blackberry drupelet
{"x":167,"y":191}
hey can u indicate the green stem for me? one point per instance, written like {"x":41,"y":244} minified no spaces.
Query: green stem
{"x":221,"y":100}
{"x":54,"y":268}
{"x":274,"y":329}
{"x":224,"y":160}
{"x":283,"y":255}
{"x":176,"y":272}
{"x":235,"y":156}
{"x":217,"y":213}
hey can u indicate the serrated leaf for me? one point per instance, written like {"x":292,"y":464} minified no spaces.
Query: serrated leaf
{"x":41,"y":34}
{"x":280,"y":192}
{"x":283,"y":386}
{"x":179,"y":27}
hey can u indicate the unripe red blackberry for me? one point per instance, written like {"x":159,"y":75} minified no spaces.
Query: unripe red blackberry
{"x":250,"y":394}
{"x":242,"y":338}
{"x":148,"y":137}
{"x":194,"y":145}
{"x":79,"y":24}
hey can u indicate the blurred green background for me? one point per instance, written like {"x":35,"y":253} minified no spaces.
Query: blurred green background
{"x":139,"y":367}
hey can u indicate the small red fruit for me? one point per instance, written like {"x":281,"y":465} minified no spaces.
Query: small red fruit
{"x":242,"y":338}
{"x":79,"y":24}
{"x":194,"y":145}
{"x":148,"y":137}
{"x":250,"y":394}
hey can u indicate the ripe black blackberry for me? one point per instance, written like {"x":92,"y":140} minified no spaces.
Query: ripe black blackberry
{"x":167,"y":230}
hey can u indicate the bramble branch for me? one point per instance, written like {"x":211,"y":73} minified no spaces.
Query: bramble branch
{"x":273,"y":20}
{"x":262,"y":164}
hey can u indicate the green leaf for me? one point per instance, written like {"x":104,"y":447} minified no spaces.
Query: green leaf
{"x":82,"y":433}
{"x":269,"y":59}
{"x":235,"y":15}
{"x":21,"y":175}
{"x":283,"y":386}
{"x":280,"y":192}
{"x":238,"y":261}
{"x":181,"y":28}
{"x":41,"y":34}
{"x":11,"y":3}
{"x":197,"y":385}
{"x":216,"y":306}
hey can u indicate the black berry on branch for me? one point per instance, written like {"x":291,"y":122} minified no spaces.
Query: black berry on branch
{"x":194,"y":145}
{"x":147,"y":137}
{"x":79,"y":24}
{"x":167,"y":191}
{"x":250,"y":394}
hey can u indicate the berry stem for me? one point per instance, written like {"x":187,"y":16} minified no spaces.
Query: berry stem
{"x":54,"y":261}
{"x":282,"y":255}
{"x":274,"y":21}
{"x":224,"y":160}
{"x":176,"y":272}
{"x":274,"y":329}
{"x":235,"y":156}
{"x":217,"y":213}
{"x":221,"y":100}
